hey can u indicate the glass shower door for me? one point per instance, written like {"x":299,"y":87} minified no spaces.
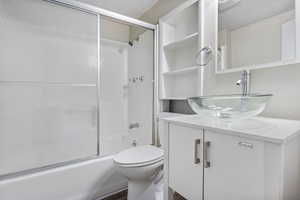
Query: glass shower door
{"x":48,"y":85}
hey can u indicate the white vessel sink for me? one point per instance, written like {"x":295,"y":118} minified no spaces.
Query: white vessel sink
{"x":229,"y":107}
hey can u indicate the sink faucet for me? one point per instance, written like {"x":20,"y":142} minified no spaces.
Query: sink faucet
{"x":244,"y":82}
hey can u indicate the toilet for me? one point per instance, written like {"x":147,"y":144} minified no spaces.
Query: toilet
{"x":139,"y":165}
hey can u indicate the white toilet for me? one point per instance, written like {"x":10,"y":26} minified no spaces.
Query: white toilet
{"x":140,"y":165}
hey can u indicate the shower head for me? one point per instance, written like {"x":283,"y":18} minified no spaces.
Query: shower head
{"x":227,"y":4}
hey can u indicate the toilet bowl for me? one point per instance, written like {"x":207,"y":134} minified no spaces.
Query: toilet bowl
{"x":139,"y":165}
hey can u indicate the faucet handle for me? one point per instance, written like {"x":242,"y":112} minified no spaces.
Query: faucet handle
{"x":134,"y":125}
{"x":245,"y":73}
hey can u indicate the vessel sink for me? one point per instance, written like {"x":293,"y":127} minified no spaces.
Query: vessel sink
{"x":229,"y":107}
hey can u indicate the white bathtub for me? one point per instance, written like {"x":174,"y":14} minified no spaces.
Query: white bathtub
{"x":84,"y":181}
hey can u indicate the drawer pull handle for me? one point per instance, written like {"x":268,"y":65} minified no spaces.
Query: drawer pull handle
{"x":196,"y":151}
{"x":207,"y":163}
{"x":246,"y":144}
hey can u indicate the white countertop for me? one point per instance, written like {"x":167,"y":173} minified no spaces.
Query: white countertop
{"x":163,"y":115}
{"x":260,"y":128}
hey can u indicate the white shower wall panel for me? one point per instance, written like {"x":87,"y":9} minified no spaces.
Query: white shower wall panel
{"x":140,"y":98}
{"x":124,"y":101}
{"x":113,"y":97}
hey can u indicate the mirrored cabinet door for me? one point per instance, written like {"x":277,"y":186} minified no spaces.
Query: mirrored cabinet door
{"x":256,"y":34}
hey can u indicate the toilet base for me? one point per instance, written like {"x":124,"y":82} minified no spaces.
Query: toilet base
{"x":140,"y":190}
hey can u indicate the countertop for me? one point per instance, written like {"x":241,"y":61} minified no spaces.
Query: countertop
{"x":259,"y":128}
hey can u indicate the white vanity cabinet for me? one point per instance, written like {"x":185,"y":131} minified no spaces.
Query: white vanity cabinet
{"x":185,"y":161}
{"x":215,"y":162}
{"x":236,"y":168}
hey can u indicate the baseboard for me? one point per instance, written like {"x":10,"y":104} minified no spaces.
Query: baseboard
{"x":111,"y":193}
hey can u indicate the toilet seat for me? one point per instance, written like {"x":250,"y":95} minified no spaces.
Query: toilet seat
{"x":139,"y":156}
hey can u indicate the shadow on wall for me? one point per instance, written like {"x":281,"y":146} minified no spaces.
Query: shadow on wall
{"x":180,"y":106}
{"x":161,"y":8}
{"x":101,"y":186}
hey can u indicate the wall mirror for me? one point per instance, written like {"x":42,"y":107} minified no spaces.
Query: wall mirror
{"x":256,"y":34}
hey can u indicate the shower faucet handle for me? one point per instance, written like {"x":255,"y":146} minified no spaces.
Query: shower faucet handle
{"x":134,"y":125}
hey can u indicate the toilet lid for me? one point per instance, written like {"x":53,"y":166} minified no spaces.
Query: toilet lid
{"x":139,"y":155}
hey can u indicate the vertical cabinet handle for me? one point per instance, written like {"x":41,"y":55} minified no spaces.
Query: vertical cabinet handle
{"x":207,"y":163}
{"x":196,"y":151}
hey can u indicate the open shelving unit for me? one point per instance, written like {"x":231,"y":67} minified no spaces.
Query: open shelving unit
{"x":186,"y":41}
{"x":274,"y":36}
{"x":182,"y":71}
{"x":179,"y":43}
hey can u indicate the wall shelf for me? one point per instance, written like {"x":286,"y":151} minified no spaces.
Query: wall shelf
{"x":179,"y":35}
{"x":189,"y":40}
{"x":181,"y":71}
{"x":259,"y":66}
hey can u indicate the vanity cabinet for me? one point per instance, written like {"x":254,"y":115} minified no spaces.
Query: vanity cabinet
{"x":185,"y":161}
{"x":236,"y":168}
{"x":208,"y":163}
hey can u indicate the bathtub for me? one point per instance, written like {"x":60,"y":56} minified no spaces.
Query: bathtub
{"x":88,"y":180}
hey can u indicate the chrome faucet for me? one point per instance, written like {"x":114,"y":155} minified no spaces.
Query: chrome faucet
{"x":244,"y":82}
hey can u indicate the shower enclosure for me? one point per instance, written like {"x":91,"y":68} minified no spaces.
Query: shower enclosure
{"x":76,"y":83}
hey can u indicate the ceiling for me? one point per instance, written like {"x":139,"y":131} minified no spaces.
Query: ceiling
{"x":132,"y":8}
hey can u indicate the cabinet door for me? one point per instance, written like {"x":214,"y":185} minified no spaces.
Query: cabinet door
{"x":185,"y":161}
{"x":236,"y":170}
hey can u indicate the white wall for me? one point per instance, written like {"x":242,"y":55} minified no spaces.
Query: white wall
{"x":282,"y":82}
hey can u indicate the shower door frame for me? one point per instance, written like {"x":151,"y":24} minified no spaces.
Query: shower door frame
{"x":99,"y":12}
